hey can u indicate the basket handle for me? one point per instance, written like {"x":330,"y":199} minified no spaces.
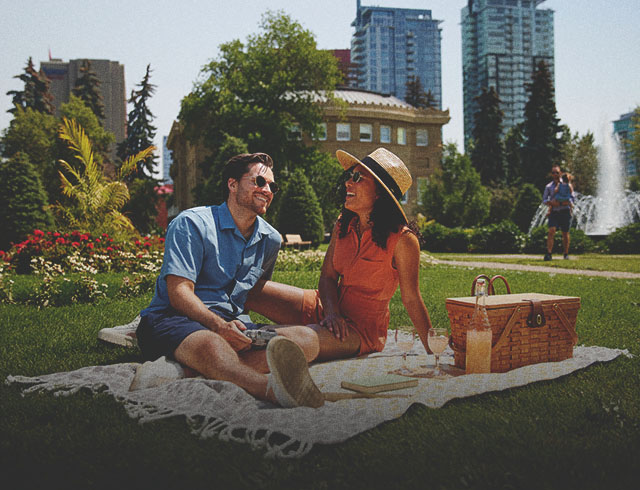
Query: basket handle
{"x":565,"y":323}
{"x":473,"y":285}
{"x":504,"y":279}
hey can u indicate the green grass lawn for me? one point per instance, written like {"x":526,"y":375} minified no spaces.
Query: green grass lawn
{"x":596,"y":262}
{"x":580,"y":431}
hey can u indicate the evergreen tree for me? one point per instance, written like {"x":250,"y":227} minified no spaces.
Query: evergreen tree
{"x":431,"y":100}
{"x":140,"y":131}
{"x":415,"y":94}
{"x":488,"y":150}
{"x":36,"y":94}
{"x":454,"y":195}
{"x":527,"y":202}
{"x":634,"y":141}
{"x":542,"y":146}
{"x":300,"y":211}
{"x":87,"y":88}
{"x":23,"y":201}
{"x":513,"y":143}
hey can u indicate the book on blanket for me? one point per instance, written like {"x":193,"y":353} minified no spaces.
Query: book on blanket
{"x":383,"y":382}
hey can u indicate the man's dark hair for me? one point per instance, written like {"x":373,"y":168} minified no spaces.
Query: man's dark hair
{"x":238,"y":165}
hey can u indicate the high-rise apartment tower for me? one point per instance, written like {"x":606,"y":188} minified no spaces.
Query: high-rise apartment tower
{"x":390,"y":45}
{"x":502,"y":42}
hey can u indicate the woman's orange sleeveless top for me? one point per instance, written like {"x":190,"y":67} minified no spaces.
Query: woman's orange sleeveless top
{"x":367,"y":282}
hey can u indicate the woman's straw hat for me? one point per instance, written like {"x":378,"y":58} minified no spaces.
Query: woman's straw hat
{"x":387,"y":169}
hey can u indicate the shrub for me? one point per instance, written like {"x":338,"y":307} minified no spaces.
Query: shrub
{"x":502,"y":203}
{"x":22,"y":200}
{"x":439,"y":238}
{"x":503,"y":237}
{"x":625,"y":240}
{"x":526,"y":204}
{"x":536,"y":241}
{"x":300,"y":211}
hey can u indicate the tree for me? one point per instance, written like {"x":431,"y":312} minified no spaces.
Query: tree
{"x":527,"y":202}
{"x":258,"y":90}
{"x":580,"y":157}
{"x":454,"y":196}
{"x":634,"y":141}
{"x":542,"y":146}
{"x":23,"y":202}
{"x":87,"y":88}
{"x":488,"y":150}
{"x":140,"y":131}
{"x":97,"y":201}
{"x":36,"y":94}
{"x":513,"y":144}
{"x":34,"y":134}
{"x":100,"y":138}
{"x":415,"y":94}
{"x":300,"y":211}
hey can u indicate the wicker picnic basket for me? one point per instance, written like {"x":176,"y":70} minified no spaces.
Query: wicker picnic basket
{"x":527,"y":328}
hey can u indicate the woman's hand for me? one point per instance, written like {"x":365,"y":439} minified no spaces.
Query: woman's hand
{"x":336,"y":324}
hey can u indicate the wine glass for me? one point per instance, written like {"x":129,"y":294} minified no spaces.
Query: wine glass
{"x":405,"y":344}
{"x":438,"y":339}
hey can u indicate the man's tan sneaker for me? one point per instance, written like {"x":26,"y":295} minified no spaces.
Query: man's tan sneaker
{"x":290,"y":379}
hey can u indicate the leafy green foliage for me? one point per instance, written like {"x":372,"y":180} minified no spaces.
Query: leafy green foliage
{"x":624,"y":240}
{"x":141,"y":206}
{"x":34,"y":134}
{"x":87,"y":88}
{"x":96,"y":201}
{"x":503,"y":237}
{"x":454,"y":196}
{"x":487,"y":155}
{"x":502,"y":203}
{"x":634,"y":141}
{"x":526,"y":204}
{"x":140,"y":131}
{"x":541,"y":129}
{"x":537,"y":241}
{"x":256,"y":91}
{"x":580,"y":157}
{"x":438,"y":238}
{"x":300,"y":211}
{"x":415,"y":94}
{"x":23,"y":202}
{"x":513,"y":144}
{"x":35,"y":94}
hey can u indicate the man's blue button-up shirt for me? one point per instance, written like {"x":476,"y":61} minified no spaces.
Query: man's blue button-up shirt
{"x":204,"y":245}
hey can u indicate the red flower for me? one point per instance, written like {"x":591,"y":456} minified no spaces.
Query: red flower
{"x":48,"y":243}
{"x":56,"y":234}
{"x":60,"y":240}
{"x":84,"y":237}
{"x":161,"y":240}
{"x":97,"y":240}
{"x":147,"y":244}
{"x":90,"y":245}
{"x":75,"y":244}
{"x":109,"y":249}
{"x":38,"y":233}
{"x":138,"y":242}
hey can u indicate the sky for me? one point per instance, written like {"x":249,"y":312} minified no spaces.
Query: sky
{"x":597,"y":47}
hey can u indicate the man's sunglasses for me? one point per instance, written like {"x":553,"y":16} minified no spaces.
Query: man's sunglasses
{"x":355,"y":176}
{"x":260,"y":181}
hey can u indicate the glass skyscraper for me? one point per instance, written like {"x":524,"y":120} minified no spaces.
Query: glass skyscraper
{"x":391,"y":44}
{"x":502,"y":42}
{"x":625,"y":130}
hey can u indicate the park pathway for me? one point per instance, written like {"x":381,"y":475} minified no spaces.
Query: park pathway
{"x":486,"y":262}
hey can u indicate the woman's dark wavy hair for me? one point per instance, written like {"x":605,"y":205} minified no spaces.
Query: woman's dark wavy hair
{"x":385,"y":218}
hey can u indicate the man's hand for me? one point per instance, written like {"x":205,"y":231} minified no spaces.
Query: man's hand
{"x":232,"y":333}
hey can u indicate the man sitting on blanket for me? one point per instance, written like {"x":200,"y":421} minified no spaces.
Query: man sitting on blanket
{"x":213,"y":256}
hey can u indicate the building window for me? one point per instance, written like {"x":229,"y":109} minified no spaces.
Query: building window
{"x":385,"y":134}
{"x":343,"y":132}
{"x":421,"y":185}
{"x":402,"y":136}
{"x":321,"y":132}
{"x":295,"y":133}
{"x":422,"y":137}
{"x":366,"y":132}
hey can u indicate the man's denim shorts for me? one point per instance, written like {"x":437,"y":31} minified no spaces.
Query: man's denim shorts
{"x":160,"y":333}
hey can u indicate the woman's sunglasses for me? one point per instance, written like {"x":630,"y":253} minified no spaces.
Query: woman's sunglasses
{"x":355,"y":176}
{"x":260,"y":181}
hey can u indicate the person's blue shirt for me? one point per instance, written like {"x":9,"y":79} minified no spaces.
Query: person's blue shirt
{"x":204,"y":245}
{"x":549,"y":195}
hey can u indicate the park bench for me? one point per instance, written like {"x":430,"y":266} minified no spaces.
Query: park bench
{"x":295,"y":241}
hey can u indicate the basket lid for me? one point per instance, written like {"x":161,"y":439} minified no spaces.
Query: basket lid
{"x":501,"y":300}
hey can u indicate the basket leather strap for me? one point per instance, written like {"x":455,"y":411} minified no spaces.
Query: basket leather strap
{"x":565,"y":323}
{"x":504,"y":336}
{"x":536,"y":317}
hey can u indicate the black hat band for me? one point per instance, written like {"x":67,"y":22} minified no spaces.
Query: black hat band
{"x":383,"y":175}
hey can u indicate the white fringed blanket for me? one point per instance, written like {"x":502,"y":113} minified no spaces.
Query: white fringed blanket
{"x":218,"y":408}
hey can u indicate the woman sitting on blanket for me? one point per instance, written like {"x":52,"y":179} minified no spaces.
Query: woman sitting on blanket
{"x":372,"y":251}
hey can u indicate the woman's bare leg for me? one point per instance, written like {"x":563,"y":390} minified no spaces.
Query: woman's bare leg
{"x":280,"y":303}
{"x":333,"y":348}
